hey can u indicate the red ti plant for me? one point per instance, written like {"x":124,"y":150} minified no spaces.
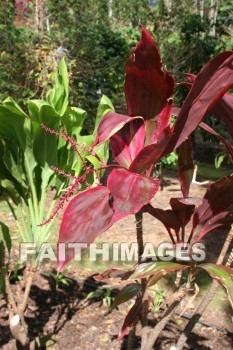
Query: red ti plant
{"x":138,"y":141}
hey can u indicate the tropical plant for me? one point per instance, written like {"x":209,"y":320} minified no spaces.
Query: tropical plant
{"x":138,"y":141}
{"x":28,"y":158}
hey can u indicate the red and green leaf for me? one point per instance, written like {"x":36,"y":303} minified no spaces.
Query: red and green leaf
{"x":94,"y":211}
{"x":130,"y":191}
{"x":128,"y":142}
{"x":110,"y":273}
{"x":110,"y":123}
{"x":128,"y":292}
{"x":157,"y":267}
{"x":154,"y":127}
{"x":87,"y":215}
{"x":224,"y":276}
{"x":153,"y":153}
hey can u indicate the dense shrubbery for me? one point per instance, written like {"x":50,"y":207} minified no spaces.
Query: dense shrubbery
{"x":97,"y":38}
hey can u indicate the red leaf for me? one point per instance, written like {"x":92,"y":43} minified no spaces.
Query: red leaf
{"x":155,"y":127}
{"x":87,"y":215}
{"x":179,"y":216}
{"x":110,"y":273}
{"x":128,"y":142}
{"x":209,"y":86}
{"x":184,"y":208}
{"x":218,"y":197}
{"x":160,"y":268}
{"x":147,"y":84}
{"x":167,"y":217}
{"x":185,"y":166}
{"x":151,"y":154}
{"x":229,"y":147}
{"x":131,"y":318}
{"x":222,"y":220}
{"x":109,"y":125}
{"x":130,"y":191}
{"x":223,"y":110}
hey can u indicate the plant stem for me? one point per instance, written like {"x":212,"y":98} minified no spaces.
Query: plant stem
{"x":206,"y":300}
{"x":18,"y":326}
{"x":176,"y":299}
{"x":19,"y":329}
{"x":139,"y":231}
{"x":144,"y":313}
{"x":131,"y":339}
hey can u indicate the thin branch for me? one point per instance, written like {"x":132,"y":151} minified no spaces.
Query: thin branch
{"x":207,"y":299}
{"x":29,"y":279}
{"x":174,"y":302}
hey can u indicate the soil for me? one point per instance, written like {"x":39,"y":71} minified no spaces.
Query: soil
{"x":64,"y":319}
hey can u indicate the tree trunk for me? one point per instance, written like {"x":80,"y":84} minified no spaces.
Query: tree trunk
{"x":214,"y":5}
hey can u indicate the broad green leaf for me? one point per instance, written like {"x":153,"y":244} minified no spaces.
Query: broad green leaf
{"x":85,"y":141}
{"x":6,"y":236}
{"x":45,"y":144}
{"x":13,"y":123}
{"x":9,"y":188}
{"x":73,"y":120}
{"x":152,"y":268}
{"x":58,"y":96}
{"x":127,"y":293}
{"x":9,"y":102}
{"x":102,"y":152}
{"x":224,"y":276}
{"x":105,"y":105}
{"x":15,"y":166}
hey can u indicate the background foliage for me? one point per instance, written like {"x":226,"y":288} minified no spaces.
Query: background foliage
{"x":97,"y":37}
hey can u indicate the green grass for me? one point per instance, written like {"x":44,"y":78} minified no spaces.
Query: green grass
{"x":205,"y":171}
{"x":209,"y":171}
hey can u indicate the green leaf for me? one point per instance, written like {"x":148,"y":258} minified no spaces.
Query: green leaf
{"x":104,"y":106}
{"x":224,"y":276}
{"x":157,"y":267}
{"x":58,"y":96}
{"x":2,"y":255}
{"x":127,"y":293}
{"x":220,"y":157}
{"x":44,"y":144}
{"x":73,"y":120}
{"x":6,"y":236}
{"x":102,"y":151}
{"x":15,"y":166}
{"x":13,"y":123}
{"x":77,"y":164}
{"x":95,"y":294}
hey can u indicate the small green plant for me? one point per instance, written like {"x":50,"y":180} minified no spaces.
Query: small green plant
{"x":60,"y":278}
{"x":157,"y":298}
{"x":219,"y":159}
{"x":105,"y":294}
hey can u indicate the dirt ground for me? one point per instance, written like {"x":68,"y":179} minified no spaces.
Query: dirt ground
{"x":64,"y":319}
